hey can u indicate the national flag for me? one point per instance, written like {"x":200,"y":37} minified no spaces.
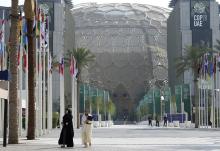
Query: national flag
{"x":42,"y":27}
{"x":61,"y":66}
{"x":206,"y":63}
{"x":24,"y":60}
{"x":50,"y":68}
{"x":24,"y":33}
{"x":19,"y":38}
{"x":38,"y":22}
{"x":214,"y":68}
{"x":211,"y":68}
{"x":218,"y":62}
{"x":1,"y":35}
{"x":71,"y":66}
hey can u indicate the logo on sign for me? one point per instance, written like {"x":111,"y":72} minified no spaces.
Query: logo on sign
{"x":199,"y":14}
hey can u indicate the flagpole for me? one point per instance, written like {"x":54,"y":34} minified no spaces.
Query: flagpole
{"x":19,"y":64}
{"x":50,"y":105}
{"x":170,"y":99}
{"x":2,"y":66}
{"x":37,"y":87}
{"x":44,"y":80}
{"x":84,"y":96}
{"x":72,"y":69}
{"x":61,"y":91}
{"x":206,"y":107}
{"x":181,"y":93}
{"x":26,"y":86}
{"x":75,"y":89}
{"x":49,"y":100}
{"x":72,"y":97}
{"x":26,"y":76}
{"x":40,"y":86}
{"x":153,"y":105}
{"x":3,"y":42}
{"x":200,"y":88}
{"x":20,"y":87}
{"x":190,"y":94}
{"x":213,"y":96}
{"x":218,"y":87}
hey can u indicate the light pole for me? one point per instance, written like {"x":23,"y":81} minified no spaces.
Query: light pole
{"x":215,"y":117}
{"x":161,"y":106}
{"x":151,"y":83}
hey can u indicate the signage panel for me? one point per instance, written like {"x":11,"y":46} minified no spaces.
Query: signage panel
{"x":200,"y":14}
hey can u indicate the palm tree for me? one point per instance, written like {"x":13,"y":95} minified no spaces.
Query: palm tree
{"x":13,"y":85}
{"x":191,"y":60}
{"x":83,"y":57}
{"x":29,"y":15}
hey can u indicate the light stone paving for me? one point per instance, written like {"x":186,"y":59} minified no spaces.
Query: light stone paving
{"x":130,"y":138}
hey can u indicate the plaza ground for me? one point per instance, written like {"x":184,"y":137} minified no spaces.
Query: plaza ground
{"x":130,"y":138}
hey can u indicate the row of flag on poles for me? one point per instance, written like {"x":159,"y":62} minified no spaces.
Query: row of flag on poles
{"x":208,"y":65}
{"x":41,"y":30}
{"x":73,"y":69}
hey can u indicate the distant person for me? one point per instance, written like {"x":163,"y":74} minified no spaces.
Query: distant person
{"x":83,"y":121}
{"x":165,"y":120}
{"x":67,"y":132}
{"x":157,"y":122}
{"x":149,"y":121}
{"x":87,"y":130}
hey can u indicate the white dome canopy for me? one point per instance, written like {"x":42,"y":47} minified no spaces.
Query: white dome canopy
{"x":129,"y":41}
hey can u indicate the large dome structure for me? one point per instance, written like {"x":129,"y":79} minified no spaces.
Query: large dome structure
{"x":129,"y":41}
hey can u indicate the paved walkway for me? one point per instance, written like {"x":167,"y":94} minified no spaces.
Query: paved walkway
{"x":130,"y":138}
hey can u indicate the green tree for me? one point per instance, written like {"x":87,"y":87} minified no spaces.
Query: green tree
{"x":111,"y":109}
{"x":83,"y":57}
{"x":88,"y":104}
{"x":138,"y":113}
{"x":13,"y":85}
{"x":191,"y":60}
{"x":98,"y":104}
{"x":29,"y":16}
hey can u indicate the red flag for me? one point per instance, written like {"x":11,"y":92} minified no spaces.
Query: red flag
{"x":72,"y":62}
{"x":18,"y":55}
{"x":61,"y":67}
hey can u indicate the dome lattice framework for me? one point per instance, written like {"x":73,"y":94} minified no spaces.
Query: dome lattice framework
{"x":129,"y":40}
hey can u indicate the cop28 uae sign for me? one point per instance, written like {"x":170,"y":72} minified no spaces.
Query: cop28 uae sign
{"x":200,"y":14}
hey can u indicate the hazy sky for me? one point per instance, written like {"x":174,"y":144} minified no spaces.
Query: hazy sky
{"x":162,"y":3}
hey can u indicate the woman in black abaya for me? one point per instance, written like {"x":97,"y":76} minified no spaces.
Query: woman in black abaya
{"x":67,"y":133}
